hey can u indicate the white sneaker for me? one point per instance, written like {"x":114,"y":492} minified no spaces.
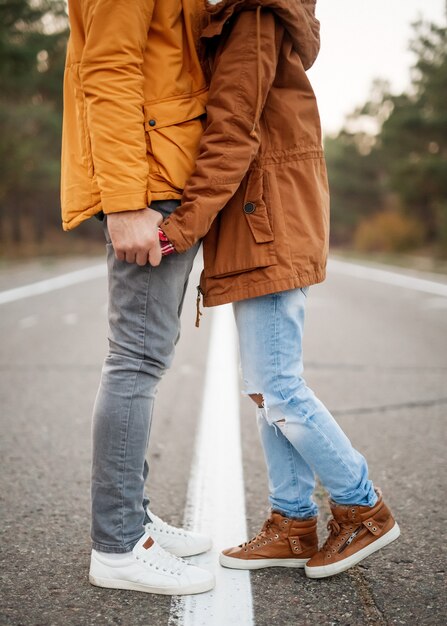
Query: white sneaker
{"x":176,"y":540}
{"x":149,"y":568}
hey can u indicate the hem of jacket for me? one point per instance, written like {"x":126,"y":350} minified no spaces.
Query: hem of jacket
{"x":168,"y":194}
{"x":126,"y":201}
{"x":305,"y":279}
{"x":82,"y":216}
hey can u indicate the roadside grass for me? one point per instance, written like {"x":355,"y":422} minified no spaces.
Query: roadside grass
{"x":55,"y":245}
{"x":422,"y":260}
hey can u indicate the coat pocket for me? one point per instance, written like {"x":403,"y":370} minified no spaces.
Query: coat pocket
{"x":83,"y":132}
{"x":173,"y":130}
{"x":241,"y":237}
{"x":255,"y":209}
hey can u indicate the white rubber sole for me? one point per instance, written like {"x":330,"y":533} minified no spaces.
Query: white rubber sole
{"x":330,"y":570}
{"x":110,"y":583}
{"x":233,"y":563}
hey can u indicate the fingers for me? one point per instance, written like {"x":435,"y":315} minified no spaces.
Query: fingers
{"x":142,"y":256}
{"x":155,"y":254}
{"x":130,"y":256}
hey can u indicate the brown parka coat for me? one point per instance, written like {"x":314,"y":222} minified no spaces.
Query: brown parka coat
{"x":259,"y":193}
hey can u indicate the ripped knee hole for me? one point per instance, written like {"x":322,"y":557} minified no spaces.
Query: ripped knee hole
{"x":258,"y":398}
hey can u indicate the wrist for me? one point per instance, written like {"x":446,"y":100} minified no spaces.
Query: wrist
{"x":156,"y":215}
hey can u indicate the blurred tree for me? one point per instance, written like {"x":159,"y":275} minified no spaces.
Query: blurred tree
{"x":355,"y":182}
{"x":414,"y":137}
{"x":32,"y":51}
{"x":406,"y":158}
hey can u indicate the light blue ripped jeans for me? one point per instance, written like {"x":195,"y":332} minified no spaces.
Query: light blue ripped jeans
{"x":299,"y":436}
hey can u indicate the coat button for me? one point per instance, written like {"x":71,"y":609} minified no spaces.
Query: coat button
{"x":152,"y":122}
{"x":249,"y":207}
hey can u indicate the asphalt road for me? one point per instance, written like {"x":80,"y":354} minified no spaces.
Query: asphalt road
{"x":376,"y":354}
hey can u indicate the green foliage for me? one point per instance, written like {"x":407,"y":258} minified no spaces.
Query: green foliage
{"x":355,"y":184}
{"x":407,"y":158}
{"x":33,"y":36}
{"x":388,"y":231}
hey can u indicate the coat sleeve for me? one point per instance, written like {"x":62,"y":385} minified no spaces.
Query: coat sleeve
{"x":112,"y":82}
{"x":231,"y":138}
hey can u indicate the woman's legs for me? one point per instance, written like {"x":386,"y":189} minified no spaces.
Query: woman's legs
{"x":291,"y":479}
{"x":299,"y":435}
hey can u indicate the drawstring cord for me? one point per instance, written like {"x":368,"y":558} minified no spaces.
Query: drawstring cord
{"x":259,"y":72}
{"x":198,"y":311}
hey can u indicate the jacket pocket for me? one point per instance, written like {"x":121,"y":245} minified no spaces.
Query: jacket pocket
{"x":255,"y":209}
{"x":82,"y":125}
{"x":173,"y":130}
{"x":171,"y":153}
{"x":241,"y":237}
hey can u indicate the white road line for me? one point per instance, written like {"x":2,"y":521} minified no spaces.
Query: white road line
{"x":215,"y":501}
{"x":334,"y":265}
{"x":388,"y":277}
{"x":51,"y":284}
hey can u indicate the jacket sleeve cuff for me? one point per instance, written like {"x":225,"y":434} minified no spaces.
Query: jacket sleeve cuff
{"x":175,"y":236}
{"x":126,"y":202}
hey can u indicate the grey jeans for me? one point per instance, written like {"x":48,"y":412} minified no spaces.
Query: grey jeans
{"x":145,"y":304}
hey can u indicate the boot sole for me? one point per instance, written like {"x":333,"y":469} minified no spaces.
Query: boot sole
{"x":233,"y":563}
{"x":336,"y":568}
{"x":110,"y":583}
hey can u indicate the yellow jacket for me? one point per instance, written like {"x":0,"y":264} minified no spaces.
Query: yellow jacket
{"x":134,"y":92}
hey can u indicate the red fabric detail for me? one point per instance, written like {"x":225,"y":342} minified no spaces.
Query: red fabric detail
{"x":165,"y":244}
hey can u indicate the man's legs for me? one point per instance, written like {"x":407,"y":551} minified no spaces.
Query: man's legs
{"x":144,"y":310}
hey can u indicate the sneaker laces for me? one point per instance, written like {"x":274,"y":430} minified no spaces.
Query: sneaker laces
{"x":175,"y":562}
{"x":159,"y":525}
{"x":164,"y":560}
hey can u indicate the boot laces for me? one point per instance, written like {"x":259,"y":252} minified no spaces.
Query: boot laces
{"x":338,"y":532}
{"x":262,"y":534}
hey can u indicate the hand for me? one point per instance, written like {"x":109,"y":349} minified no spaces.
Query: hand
{"x":134,"y":236}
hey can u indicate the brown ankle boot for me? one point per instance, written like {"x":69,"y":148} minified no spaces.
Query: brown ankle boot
{"x":355,"y":533}
{"x":282,"y":542}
